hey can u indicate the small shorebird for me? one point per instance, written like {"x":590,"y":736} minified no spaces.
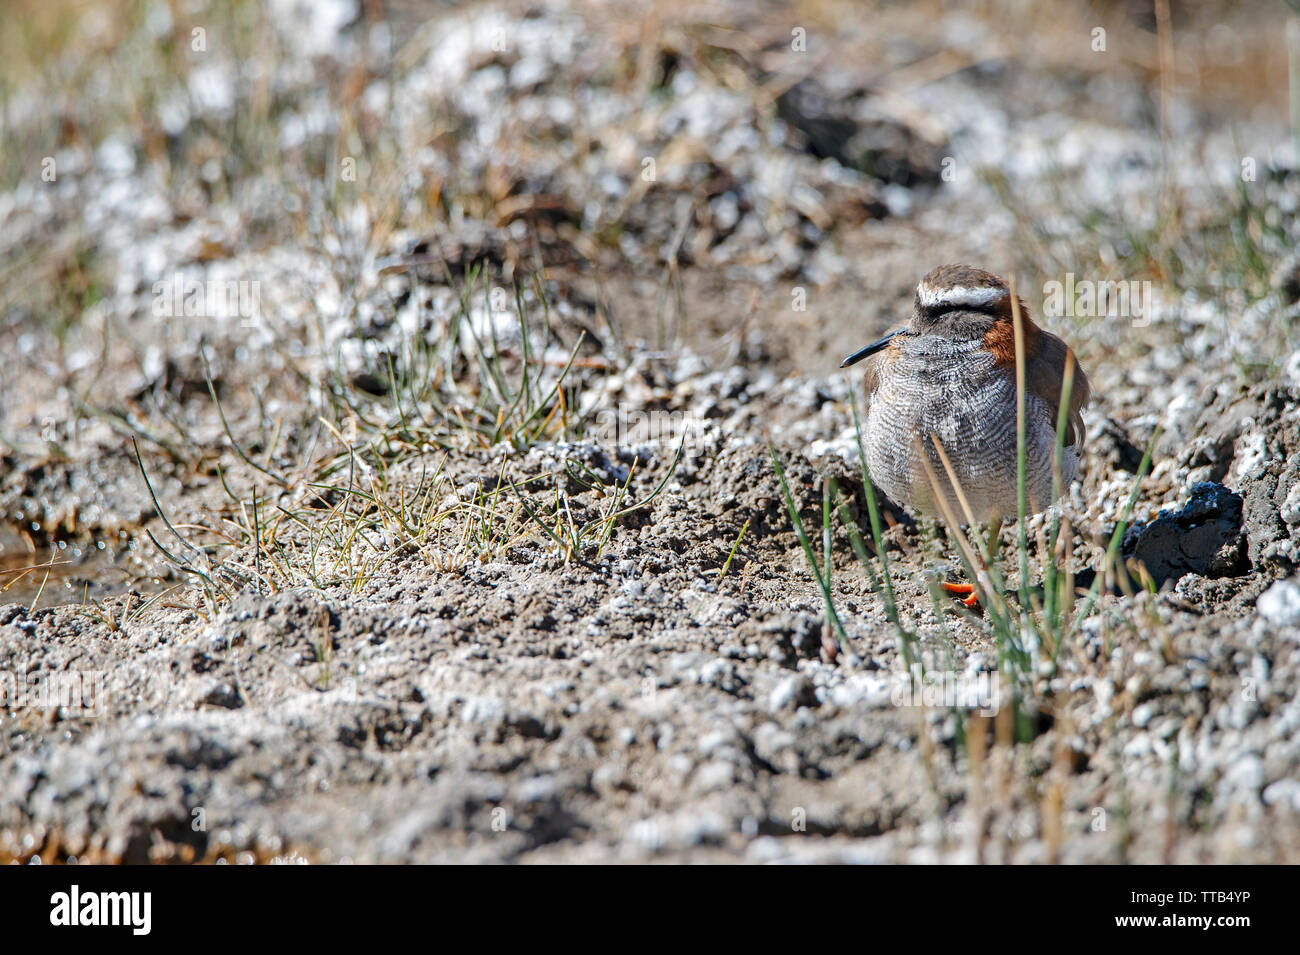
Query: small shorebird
{"x":950,"y":375}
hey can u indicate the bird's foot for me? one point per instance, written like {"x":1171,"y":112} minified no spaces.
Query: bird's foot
{"x":965,"y":594}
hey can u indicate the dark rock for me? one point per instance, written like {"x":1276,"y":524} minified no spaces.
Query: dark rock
{"x":221,"y":695}
{"x":1113,"y":445}
{"x":879,"y":147}
{"x":1204,"y":538}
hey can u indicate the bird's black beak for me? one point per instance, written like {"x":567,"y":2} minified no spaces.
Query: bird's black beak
{"x":870,"y":350}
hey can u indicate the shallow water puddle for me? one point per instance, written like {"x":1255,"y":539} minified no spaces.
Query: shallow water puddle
{"x":64,"y":573}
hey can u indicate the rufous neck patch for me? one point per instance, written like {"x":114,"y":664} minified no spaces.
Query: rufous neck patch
{"x":1000,"y":340}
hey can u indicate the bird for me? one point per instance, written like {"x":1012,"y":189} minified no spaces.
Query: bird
{"x":949,"y":375}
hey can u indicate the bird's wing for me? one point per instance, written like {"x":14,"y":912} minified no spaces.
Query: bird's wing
{"x":1044,"y":374}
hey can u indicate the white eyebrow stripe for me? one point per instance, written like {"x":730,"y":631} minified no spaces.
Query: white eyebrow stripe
{"x":960,"y":295}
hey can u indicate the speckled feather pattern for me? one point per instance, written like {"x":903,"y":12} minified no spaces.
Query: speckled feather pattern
{"x":923,"y":385}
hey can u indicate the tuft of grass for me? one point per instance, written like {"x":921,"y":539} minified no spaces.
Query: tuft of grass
{"x":346,"y":518}
{"x":822,"y":575}
{"x":726,"y":566}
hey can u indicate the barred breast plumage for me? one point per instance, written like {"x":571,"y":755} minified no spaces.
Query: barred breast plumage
{"x":929,"y":387}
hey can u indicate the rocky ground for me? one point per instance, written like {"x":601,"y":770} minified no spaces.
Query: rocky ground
{"x":459,"y":538}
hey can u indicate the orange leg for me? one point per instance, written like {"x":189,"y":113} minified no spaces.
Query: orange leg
{"x":965,"y":593}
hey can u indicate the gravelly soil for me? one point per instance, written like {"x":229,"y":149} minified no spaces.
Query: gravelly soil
{"x":514,"y":706}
